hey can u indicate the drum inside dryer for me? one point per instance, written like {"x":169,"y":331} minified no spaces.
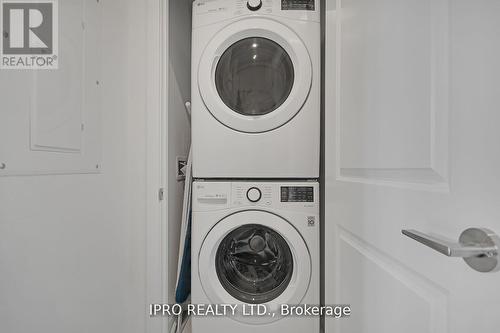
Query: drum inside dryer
{"x":254,"y":76}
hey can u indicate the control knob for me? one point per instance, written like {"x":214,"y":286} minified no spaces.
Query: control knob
{"x":254,"y":5}
{"x":254,"y":194}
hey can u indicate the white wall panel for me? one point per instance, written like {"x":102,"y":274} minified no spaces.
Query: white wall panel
{"x":385,"y":296}
{"x":392,"y":89}
{"x":54,"y":116}
{"x":73,"y":247}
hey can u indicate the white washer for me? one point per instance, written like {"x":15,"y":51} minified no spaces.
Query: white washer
{"x":255,"y":243}
{"x":256,"y":88}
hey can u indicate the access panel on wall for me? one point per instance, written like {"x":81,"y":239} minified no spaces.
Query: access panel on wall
{"x":50,"y":119}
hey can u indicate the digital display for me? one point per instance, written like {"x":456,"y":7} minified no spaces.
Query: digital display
{"x":297,"y":4}
{"x":297,"y":194}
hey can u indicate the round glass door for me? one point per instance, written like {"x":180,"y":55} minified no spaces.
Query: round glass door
{"x":254,"y":264}
{"x":254,"y":256}
{"x":254,"y":76}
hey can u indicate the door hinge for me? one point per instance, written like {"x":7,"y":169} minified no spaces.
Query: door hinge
{"x":161,"y":194}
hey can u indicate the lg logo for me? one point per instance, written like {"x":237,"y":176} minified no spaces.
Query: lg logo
{"x":29,"y":36}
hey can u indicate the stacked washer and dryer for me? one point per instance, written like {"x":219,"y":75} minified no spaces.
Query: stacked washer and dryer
{"x":256,"y":155}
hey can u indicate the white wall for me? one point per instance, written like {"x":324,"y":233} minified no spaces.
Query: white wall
{"x":72,"y":248}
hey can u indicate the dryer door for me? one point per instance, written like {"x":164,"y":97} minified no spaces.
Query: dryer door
{"x":255,"y":75}
{"x":254,"y":257}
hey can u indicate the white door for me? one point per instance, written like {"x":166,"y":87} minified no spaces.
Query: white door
{"x":412,"y":142}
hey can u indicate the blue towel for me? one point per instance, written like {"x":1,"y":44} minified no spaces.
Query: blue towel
{"x":184,"y":285}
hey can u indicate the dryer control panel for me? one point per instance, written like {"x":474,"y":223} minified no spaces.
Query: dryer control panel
{"x":206,"y":12}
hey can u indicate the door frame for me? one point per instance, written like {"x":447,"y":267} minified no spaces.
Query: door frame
{"x":157,"y":259}
{"x":329,"y":164}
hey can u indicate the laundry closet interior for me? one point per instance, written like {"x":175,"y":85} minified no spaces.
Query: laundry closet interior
{"x":255,"y":109}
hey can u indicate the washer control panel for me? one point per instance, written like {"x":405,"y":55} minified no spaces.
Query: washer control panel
{"x":283,"y":195}
{"x":252,"y":194}
{"x":297,"y":194}
{"x":289,"y":196}
{"x":297,"y":5}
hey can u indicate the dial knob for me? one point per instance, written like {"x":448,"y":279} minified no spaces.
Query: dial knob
{"x":254,"y":4}
{"x":254,"y":194}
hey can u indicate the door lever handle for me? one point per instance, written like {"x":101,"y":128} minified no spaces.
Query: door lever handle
{"x":452,"y":249}
{"x":478,"y":247}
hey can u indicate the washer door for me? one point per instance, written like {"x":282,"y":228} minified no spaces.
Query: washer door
{"x":254,"y":263}
{"x":254,"y":257}
{"x":255,"y":75}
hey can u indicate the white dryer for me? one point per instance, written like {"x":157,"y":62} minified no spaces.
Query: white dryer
{"x":256,"y":88}
{"x":255,"y":244}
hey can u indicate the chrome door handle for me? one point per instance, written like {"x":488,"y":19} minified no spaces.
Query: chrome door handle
{"x":452,"y":249}
{"x":478,"y":247}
